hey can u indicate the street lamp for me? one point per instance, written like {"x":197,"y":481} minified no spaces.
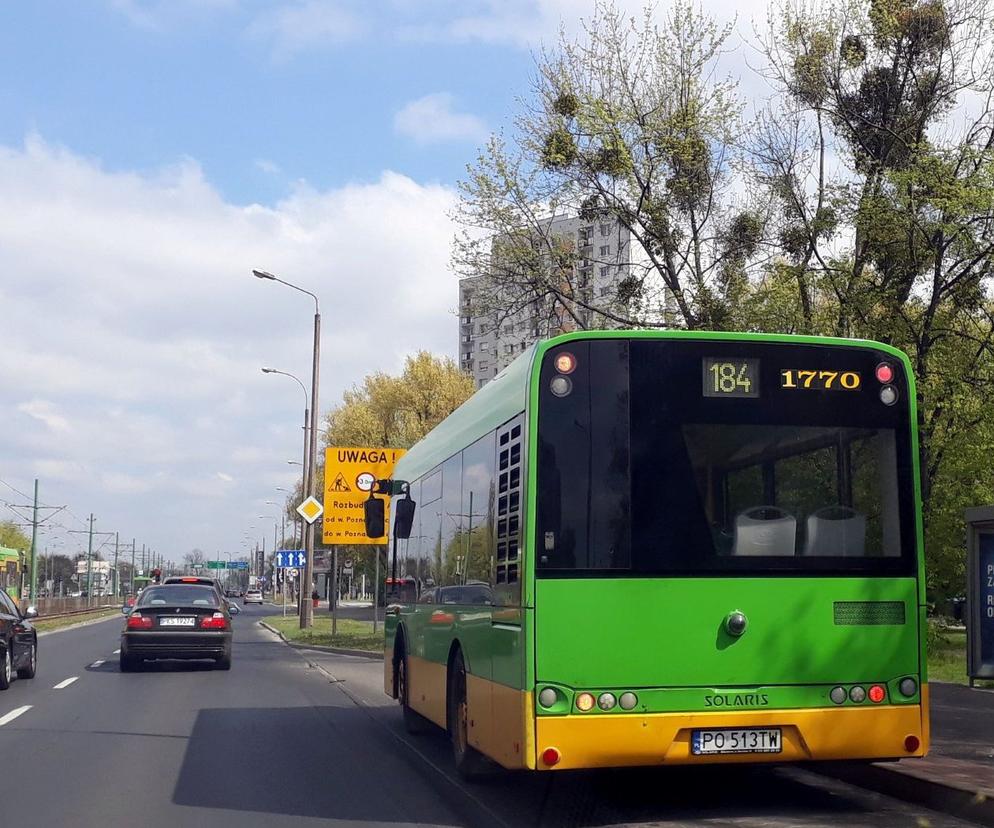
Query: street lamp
{"x":282,"y":508}
{"x":310,"y":476}
{"x":303,"y":482}
{"x":305,"y":469}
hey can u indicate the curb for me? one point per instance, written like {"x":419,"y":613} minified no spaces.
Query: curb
{"x":321,"y":649}
{"x":955,"y":800}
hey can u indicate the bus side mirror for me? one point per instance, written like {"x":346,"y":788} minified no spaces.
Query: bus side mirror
{"x":375,"y":512}
{"x":403,"y":517}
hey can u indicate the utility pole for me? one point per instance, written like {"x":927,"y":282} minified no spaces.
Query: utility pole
{"x":133,"y":545}
{"x":34,"y":547}
{"x":117,"y":576}
{"x":34,"y":524}
{"x":89,"y":564}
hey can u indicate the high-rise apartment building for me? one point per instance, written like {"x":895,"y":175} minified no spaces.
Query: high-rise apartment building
{"x":492,"y":333}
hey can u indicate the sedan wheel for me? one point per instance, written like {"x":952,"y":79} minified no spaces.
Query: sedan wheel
{"x":29,"y":671}
{"x":5,"y":670}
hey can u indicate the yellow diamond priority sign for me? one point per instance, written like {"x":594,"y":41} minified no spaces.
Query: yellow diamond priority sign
{"x":310,"y":510}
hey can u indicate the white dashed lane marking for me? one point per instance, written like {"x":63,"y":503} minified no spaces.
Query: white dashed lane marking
{"x":62,"y":685}
{"x":116,"y":652}
{"x":14,"y":714}
{"x":97,"y":663}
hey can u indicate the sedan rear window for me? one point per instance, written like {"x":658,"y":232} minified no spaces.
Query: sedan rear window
{"x":179,"y":595}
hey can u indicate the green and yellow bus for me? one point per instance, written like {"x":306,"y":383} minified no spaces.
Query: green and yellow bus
{"x":645,"y":548}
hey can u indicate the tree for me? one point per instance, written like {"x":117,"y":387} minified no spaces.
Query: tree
{"x":12,"y":537}
{"x":396,"y":412}
{"x":629,"y":121}
{"x":391,"y":412}
{"x":879,"y":161}
{"x":194,"y":556}
{"x":58,"y":568}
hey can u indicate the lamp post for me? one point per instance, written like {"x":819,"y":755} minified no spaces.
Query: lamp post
{"x":296,"y":520}
{"x":305,"y":468}
{"x":282,"y":521}
{"x":305,"y":605}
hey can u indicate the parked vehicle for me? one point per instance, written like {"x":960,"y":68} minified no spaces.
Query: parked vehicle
{"x":18,"y":641}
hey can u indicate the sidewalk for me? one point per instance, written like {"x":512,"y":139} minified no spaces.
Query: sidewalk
{"x":957,"y":776}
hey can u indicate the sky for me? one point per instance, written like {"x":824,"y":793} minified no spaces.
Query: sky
{"x":154,"y":152}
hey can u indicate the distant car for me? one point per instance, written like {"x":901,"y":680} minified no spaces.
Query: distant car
{"x":253,"y":596}
{"x":177,"y":621}
{"x":18,"y":640}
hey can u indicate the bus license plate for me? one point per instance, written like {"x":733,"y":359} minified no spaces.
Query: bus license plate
{"x":174,"y":621}
{"x":731,"y":740}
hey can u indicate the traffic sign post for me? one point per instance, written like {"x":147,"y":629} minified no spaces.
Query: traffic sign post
{"x":310,"y":510}
{"x":349,"y":475}
{"x":291,"y":559}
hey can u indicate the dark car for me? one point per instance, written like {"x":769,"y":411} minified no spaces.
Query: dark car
{"x":18,"y":640}
{"x":195,"y":579}
{"x":177,"y":621}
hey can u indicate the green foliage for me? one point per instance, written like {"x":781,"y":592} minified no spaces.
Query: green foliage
{"x":12,"y":537}
{"x":853,"y":51}
{"x":566,"y":104}
{"x":559,"y":150}
{"x":397,"y":411}
{"x":630,"y":121}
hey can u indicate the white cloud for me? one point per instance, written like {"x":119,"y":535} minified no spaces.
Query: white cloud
{"x":267,"y":166}
{"x":430,"y":120}
{"x":45,"y":412}
{"x":304,"y":24}
{"x":133,"y":331}
{"x":160,"y":14}
{"x":528,"y":24}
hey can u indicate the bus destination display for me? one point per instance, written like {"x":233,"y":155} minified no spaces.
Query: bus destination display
{"x":731,"y":377}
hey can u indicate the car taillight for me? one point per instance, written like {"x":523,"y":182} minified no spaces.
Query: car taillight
{"x":139,"y":622}
{"x":217,"y":621}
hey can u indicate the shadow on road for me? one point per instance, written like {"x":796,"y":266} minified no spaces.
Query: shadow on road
{"x":303,"y":761}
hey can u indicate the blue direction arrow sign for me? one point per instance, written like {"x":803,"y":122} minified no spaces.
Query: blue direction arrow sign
{"x":291,"y":559}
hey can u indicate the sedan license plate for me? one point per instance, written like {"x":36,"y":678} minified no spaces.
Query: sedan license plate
{"x":736,"y":740}
{"x":176,"y":621}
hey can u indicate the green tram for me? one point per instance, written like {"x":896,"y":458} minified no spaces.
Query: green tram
{"x":644,"y":548}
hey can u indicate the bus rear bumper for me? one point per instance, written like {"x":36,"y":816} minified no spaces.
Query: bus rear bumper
{"x":619,"y":740}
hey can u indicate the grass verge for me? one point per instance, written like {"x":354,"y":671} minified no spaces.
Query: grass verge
{"x":352,"y":635}
{"x":48,"y":624}
{"x":947,"y":657}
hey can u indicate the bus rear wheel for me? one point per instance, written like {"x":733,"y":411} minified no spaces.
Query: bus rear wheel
{"x":414,"y":722}
{"x":470,"y":763}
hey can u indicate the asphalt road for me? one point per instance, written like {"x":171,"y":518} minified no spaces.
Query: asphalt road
{"x":287,"y":738}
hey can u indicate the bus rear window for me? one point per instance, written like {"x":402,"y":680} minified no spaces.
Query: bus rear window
{"x":639,"y":472}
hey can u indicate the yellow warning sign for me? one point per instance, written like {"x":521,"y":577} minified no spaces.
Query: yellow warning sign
{"x":349,"y":474}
